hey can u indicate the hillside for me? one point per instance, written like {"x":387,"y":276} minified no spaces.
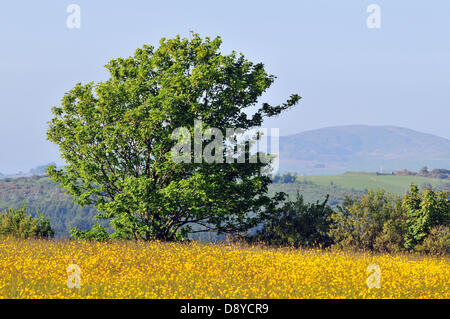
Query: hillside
{"x":339,"y":149}
{"x":40,"y":193}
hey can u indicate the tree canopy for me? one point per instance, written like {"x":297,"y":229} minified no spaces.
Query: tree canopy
{"x":117,"y":139}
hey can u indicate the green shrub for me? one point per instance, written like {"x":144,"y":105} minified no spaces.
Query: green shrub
{"x":97,"y":233}
{"x":424,"y":210}
{"x":391,"y":238}
{"x":296,"y":224}
{"x":437,"y":242}
{"x":373,"y":222}
{"x":16,"y":223}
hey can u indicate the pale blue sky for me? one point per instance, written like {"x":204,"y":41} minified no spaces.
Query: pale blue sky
{"x":346,"y":73}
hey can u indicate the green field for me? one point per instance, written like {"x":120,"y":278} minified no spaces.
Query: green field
{"x":316,"y":188}
{"x":312,"y":192}
{"x":363,"y":181}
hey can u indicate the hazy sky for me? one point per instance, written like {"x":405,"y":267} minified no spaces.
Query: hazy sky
{"x":346,"y":73}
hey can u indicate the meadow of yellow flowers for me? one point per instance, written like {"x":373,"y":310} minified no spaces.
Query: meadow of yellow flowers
{"x":38,"y":269}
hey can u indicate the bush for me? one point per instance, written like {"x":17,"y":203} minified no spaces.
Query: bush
{"x":437,"y":242}
{"x":296,"y":224}
{"x":97,"y":233}
{"x":372,"y":222}
{"x":16,"y":223}
{"x":391,"y":238}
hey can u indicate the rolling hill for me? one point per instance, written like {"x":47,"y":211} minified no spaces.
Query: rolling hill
{"x":335,"y":150}
{"x":40,"y":194}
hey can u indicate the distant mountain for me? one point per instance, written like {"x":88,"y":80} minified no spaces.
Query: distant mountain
{"x":339,"y":149}
{"x":335,"y":150}
{"x":39,"y":170}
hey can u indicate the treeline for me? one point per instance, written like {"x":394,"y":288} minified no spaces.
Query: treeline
{"x":285,"y":178}
{"x":375,"y":221}
{"x":42,"y":194}
{"x":378,"y":221}
{"x":439,"y":173}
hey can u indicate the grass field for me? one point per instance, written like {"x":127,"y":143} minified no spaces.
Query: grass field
{"x":38,"y":269}
{"x":361,"y":181}
{"x":312,"y":192}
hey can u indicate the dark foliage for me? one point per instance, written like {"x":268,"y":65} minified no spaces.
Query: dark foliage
{"x":296,"y":223}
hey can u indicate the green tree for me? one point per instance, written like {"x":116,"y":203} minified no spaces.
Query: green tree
{"x":97,"y":233}
{"x":373,"y":222}
{"x":437,"y":242}
{"x":424,"y":171}
{"x":296,"y":223}
{"x":288,"y":178}
{"x":116,"y":138}
{"x":16,"y":223}
{"x":424,"y":211}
